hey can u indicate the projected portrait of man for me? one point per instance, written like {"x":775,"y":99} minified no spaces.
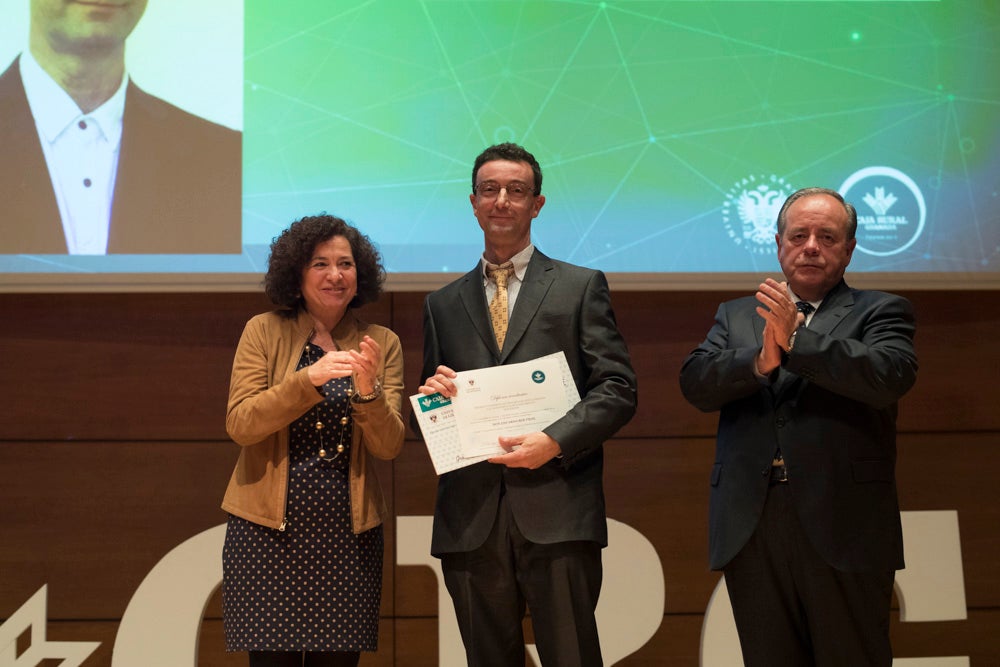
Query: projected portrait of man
{"x":90,"y":164}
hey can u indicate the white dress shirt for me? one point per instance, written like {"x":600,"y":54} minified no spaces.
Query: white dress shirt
{"x":81,"y":151}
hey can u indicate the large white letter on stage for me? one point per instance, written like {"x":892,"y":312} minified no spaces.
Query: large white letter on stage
{"x":629,"y":611}
{"x":161,"y":624}
{"x":33,"y":614}
{"x":931,"y":588}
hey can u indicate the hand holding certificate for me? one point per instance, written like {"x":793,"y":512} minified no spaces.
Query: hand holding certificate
{"x":491,"y":403}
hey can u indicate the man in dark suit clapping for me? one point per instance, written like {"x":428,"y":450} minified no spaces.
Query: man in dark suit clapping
{"x":526,"y":527}
{"x":804,"y":519}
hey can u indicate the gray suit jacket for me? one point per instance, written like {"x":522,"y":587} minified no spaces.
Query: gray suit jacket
{"x":560,"y":307}
{"x":178,"y":190}
{"x":831,"y":410}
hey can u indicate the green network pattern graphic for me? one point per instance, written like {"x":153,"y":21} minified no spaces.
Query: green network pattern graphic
{"x":668,"y":131}
{"x":647,"y":118}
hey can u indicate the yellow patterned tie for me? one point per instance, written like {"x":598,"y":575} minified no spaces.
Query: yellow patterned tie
{"x":498,"y":307}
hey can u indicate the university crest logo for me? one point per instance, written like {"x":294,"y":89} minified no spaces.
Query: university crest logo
{"x":750,"y":212}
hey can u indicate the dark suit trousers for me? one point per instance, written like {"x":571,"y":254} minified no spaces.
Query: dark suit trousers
{"x":559,"y":582}
{"x":793,"y":609}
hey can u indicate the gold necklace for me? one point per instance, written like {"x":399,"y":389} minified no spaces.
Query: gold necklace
{"x":344,"y":420}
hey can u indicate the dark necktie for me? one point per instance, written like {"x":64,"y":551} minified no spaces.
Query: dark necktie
{"x":498,"y":307}
{"x":805,"y":308}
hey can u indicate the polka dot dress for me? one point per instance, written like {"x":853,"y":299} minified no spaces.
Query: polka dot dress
{"x":315,"y":586}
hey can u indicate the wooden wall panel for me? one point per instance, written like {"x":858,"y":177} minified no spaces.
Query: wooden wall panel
{"x":113,"y":451}
{"x":959,"y":471}
{"x":156,"y":366}
{"x":123,"y":366}
{"x":407,"y":314}
{"x":955,"y":343}
{"x":91,"y":519}
{"x":957,"y":348}
{"x":101,"y":515}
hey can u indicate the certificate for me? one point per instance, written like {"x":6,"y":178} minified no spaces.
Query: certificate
{"x":500,"y":400}
{"x":506,"y":400}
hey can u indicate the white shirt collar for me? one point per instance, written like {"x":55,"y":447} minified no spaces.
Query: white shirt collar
{"x":520,"y":261}
{"x":54,"y":110}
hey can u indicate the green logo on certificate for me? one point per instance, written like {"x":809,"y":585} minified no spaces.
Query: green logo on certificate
{"x":538,"y":377}
{"x":433,"y":402}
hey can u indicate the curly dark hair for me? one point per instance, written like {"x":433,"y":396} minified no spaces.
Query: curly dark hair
{"x":513,"y":153}
{"x":292,"y":250}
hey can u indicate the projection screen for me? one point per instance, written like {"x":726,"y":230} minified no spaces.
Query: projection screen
{"x":668,"y":132}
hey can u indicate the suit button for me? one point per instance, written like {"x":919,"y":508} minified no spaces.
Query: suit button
{"x":765,"y":471}
{"x":780,"y":422}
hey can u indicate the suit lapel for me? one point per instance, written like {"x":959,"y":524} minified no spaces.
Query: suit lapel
{"x":835,"y":307}
{"x":134,"y":220}
{"x":537,"y":279}
{"x":473,"y":298}
{"x":25,"y":186}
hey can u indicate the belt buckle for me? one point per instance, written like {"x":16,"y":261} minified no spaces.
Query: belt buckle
{"x":779,"y":475}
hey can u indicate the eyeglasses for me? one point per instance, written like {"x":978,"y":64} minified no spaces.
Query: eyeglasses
{"x":516,"y":190}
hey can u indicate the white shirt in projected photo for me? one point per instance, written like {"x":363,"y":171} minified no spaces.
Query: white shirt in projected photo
{"x":81,"y":151}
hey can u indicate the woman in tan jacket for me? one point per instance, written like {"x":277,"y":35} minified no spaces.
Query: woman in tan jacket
{"x":315,"y":394}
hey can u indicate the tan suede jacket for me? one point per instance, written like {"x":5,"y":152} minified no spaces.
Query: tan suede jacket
{"x":266,"y":394}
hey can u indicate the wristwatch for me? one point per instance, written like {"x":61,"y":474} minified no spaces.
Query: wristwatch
{"x":791,"y":341}
{"x":366,"y":398}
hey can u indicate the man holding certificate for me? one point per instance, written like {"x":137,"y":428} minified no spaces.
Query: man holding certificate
{"x":525,"y":526}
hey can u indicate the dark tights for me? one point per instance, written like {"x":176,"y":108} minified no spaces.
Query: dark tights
{"x":307,"y":659}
